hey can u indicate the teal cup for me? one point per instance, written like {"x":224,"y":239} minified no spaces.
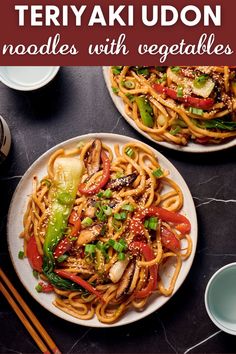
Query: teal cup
{"x":220,"y":298}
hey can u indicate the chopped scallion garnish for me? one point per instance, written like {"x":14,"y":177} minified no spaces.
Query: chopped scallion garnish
{"x":175,"y":69}
{"x":39,"y":288}
{"x":180,"y":92}
{"x":118,"y":247}
{"x":197,"y":111}
{"x":62,"y":258}
{"x":175,"y":130}
{"x":143,"y":71}
{"x":120,"y":216}
{"x":128,"y":207}
{"x":129,"y":152}
{"x":151,"y":223}
{"x":87,"y":221}
{"x":117,"y":224}
{"x":115,"y":89}
{"x":107,"y":210}
{"x":100,"y":212}
{"x":89,"y":248}
{"x":129,"y":84}
{"x":158,"y":173}
{"x":107,"y":194}
{"x":121,"y":256}
{"x":130,"y":97}
{"x":111,"y":242}
{"x":117,"y":70}
{"x":21,"y":254}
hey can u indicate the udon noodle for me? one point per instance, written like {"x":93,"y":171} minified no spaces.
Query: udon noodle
{"x":124,"y":231}
{"x":179,"y":104}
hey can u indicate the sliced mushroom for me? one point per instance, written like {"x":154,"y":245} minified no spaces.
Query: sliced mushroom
{"x":134,"y":280}
{"x":125,"y":281}
{"x":89,"y":234}
{"x":119,"y":183}
{"x":93,"y":157}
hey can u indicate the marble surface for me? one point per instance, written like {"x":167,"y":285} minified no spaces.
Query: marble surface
{"x":76,"y":103}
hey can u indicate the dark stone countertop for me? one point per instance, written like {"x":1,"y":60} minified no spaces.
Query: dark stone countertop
{"x":75,"y":103}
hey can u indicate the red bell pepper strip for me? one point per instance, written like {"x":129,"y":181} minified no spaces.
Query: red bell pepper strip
{"x":65,"y":244}
{"x":44,"y":288}
{"x":78,"y":280}
{"x":137,"y":247}
{"x":203,"y":140}
{"x":34,"y":257}
{"x":76,"y":228}
{"x":202,"y":103}
{"x":136,"y":224}
{"x":169,"y":240}
{"x":73,"y":218}
{"x":105,"y":178}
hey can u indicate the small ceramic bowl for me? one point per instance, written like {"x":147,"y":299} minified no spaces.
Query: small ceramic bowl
{"x":27,"y":78}
{"x":220,"y":298}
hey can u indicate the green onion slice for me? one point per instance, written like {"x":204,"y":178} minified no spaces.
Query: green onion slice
{"x":197,"y":111}
{"x":128,"y":207}
{"x":90,"y":248}
{"x":129,"y":152}
{"x":87,"y":221}
{"x":158,"y":173}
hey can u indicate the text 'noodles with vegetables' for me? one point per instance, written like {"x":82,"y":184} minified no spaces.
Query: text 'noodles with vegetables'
{"x":102,"y":227}
{"x":179,"y":104}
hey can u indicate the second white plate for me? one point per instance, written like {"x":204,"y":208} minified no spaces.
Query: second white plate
{"x":191,"y":147}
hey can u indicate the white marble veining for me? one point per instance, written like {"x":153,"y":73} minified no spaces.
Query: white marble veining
{"x":166,"y":337}
{"x":202,"y":342}
{"x":10,"y":178}
{"x":77,"y":341}
{"x":205,"y":201}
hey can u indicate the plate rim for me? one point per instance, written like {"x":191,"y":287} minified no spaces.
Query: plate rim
{"x":147,"y":310}
{"x":190,"y":148}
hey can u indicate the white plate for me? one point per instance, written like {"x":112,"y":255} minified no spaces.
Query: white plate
{"x":14,"y":227}
{"x":27,"y":78}
{"x":191,"y":147}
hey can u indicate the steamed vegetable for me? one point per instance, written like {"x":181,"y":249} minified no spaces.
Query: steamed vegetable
{"x":67,"y":172}
{"x":219,"y":124}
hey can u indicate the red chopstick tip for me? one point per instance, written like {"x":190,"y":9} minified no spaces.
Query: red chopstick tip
{"x":47,"y":352}
{"x":56,"y":350}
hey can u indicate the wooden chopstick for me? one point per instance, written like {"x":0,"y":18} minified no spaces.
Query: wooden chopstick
{"x":48,"y":340}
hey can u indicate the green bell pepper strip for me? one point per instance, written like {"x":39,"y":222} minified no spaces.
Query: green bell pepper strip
{"x":146,"y":111}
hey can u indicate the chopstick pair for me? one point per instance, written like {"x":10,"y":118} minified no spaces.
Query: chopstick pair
{"x":11,"y":294}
